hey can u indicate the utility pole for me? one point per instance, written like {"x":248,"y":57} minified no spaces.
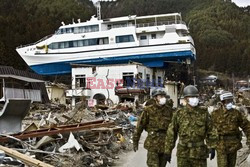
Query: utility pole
{"x":233,"y":81}
{"x":248,"y":81}
{"x":98,"y":7}
{"x":194,"y":78}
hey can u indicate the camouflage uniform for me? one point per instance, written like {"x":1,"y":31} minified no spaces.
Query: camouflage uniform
{"x":244,"y":101}
{"x":192,"y":125}
{"x":155,"y":120}
{"x":152,"y":101}
{"x":229,"y":137}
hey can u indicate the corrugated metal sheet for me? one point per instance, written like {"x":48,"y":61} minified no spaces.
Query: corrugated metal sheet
{"x":12,"y":114}
{"x":13,"y":93}
{"x":21,"y":78}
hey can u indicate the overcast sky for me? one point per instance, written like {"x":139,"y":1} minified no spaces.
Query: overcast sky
{"x":242,"y":2}
{"x":238,"y":2}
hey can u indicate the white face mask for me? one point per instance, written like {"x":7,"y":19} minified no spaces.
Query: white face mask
{"x":162,"y":101}
{"x":193,"y":101}
{"x":229,"y":106}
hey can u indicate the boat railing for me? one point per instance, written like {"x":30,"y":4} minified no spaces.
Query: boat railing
{"x":43,"y":39}
{"x":151,"y":24}
{"x":159,"y":23}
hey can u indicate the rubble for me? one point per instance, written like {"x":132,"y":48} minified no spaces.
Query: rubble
{"x":243,"y":155}
{"x":84,"y":136}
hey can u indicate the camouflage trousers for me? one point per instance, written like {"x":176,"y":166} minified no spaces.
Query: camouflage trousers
{"x":226,"y":160}
{"x":155,"y":159}
{"x":191,"y":162}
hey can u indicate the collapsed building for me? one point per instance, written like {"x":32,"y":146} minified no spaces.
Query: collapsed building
{"x":115,"y":83}
{"x":18,"y":89}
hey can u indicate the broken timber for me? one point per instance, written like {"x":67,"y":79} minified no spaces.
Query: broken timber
{"x":24,"y":158}
{"x":61,"y":129}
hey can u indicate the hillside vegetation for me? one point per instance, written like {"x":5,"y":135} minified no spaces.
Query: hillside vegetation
{"x":221,"y":30}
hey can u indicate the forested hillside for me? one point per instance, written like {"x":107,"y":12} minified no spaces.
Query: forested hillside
{"x":221,"y":30}
{"x":26,"y":21}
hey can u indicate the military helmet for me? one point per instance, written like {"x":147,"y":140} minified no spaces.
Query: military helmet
{"x":225,"y":95}
{"x":190,"y":91}
{"x":156,"y":92}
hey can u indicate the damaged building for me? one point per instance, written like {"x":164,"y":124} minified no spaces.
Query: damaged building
{"x":115,"y":83}
{"x":18,"y":89}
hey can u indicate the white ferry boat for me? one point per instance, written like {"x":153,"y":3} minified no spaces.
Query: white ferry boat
{"x":152,"y":40}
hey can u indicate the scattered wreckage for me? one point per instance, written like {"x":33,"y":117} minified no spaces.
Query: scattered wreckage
{"x":56,"y":136}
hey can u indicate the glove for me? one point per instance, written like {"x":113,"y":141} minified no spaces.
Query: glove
{"x":168,"y":157}
{"x":135,"y":147}
{"x":212,"y":153}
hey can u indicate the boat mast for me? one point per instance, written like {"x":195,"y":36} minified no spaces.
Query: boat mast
{"x":98,"y":7}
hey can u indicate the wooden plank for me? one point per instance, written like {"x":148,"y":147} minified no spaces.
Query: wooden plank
{"x":60,"y":129}
{"x":24,"y":158}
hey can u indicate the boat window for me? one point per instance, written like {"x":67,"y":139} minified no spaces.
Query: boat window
{"x":81,"y":29}
{"x":63,"y":31}
{"x":143,"y":37}
{"x":86,"y":42}
{"x":153,"y":36}
{"x":61,"y":45}
{"x":92,"y":41}
{"x":70,"y":44}
{"x":124,"y":38}
{"x":102,"y":41}
{"x":76,"y":30}
{"x":87,"y":29}
{"x":69,"y":30}
{"x":59,"y":31}
{"x":94,"y":28}
{"x":75,"y":44}
{"x":182,"y":33}
{"x":66,"y":44}
{"x":53,"y":46}
{"x":79,"y":43}
{"x":106,"y":40}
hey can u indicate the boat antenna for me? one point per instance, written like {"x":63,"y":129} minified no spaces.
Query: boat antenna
{"x":98,"y":7}
{"x":189,"y":23}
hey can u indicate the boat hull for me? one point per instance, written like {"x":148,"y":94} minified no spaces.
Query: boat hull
{"x":151,"y":56}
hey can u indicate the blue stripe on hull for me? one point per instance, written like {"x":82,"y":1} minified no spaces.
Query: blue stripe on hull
{"x":150,"y":60}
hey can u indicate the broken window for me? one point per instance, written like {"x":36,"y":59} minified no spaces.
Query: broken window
{"x":128,"y":79}
{"x":93,"y":70}
{"x":147,"y":84}
{"x":153,"y":36}
{"x":160,"y":82}
{"x":80,"y":81}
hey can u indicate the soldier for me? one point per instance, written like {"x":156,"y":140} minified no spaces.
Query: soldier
{"x":193,"y":125}
{"x":242,"y":100}
{"x":227,"y":121}
{"x":155,"y":120}
{"x":152,"y":101}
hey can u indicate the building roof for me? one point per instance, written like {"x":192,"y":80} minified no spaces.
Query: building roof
{"x":20,"y":78}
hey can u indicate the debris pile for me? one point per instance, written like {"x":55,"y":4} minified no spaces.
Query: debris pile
{"x":243,"y":155}
{"x":84,"y":136}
